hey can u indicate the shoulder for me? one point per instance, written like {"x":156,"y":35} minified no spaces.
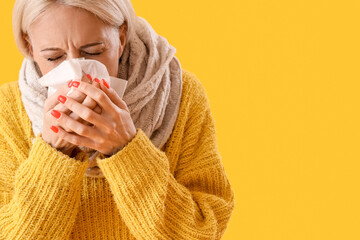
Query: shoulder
{"x":194,"y":118}
{"x":9,"y":88}
{"x":10,"y":96}
{"x":193,"y":90}
{"x":192,"y":83}
{"x":13,"y":117}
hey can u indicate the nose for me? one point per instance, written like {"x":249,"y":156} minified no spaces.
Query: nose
{"x":73,"y":54}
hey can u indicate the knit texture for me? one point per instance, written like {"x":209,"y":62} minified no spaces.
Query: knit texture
{"x":179,"y":193}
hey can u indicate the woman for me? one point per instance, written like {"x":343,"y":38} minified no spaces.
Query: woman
{"x":162,"y":173}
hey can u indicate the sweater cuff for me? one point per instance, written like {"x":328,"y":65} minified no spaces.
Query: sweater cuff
{"x":139,"y":154}
{"x":54,"y":163}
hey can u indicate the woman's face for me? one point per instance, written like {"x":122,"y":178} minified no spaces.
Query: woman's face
{"x":65,"y":32}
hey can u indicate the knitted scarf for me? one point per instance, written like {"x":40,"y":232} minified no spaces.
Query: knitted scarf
{"x":153,"y":90}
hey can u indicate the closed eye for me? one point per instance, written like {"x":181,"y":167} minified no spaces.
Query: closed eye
{"x":93,"y":53}
{"x":54,"y":59}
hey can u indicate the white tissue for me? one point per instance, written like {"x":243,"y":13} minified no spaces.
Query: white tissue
{"x":74,"y":69}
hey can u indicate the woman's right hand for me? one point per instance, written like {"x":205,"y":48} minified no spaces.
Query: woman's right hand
{"x":52,"y":103}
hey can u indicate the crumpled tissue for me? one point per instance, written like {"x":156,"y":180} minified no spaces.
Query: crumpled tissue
{"x":74,"y":69}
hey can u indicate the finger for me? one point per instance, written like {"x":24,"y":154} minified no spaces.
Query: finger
{"x":95,"y":93}
{"x":89,"y":102}
{"x":75,"y":126}
{"x":113,"y":95}
{"x":87,"y":78}
{"x":51,"y":115}
{"x":52,"y":101}
{"x":59,"y":107}
{"x":73,"y":138}
{"x":84,"y":112}
{"x":78,"y":96}
{"x":97,"y":109}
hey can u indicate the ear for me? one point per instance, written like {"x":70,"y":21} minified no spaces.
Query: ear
{"x":123,"y":29}
{"x":28,"y":44}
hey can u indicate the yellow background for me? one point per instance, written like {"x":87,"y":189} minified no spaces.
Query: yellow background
{"x":282,"y":78}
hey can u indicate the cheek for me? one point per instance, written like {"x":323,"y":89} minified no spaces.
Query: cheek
{"x":112,"y":68}
{"x":113,"y":56}
{"x":111,"y":61}
{"x":44,"y":65}
{"x":44,"y":68}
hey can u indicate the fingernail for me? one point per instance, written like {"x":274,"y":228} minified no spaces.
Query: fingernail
{"x":55,"y":113}
{"x":106,"y":84}
{"x":97,"y":80}
{"x":55,"y":129}
{"x":89,"y":76}
{"x":69,"y":84}
{"x":62,"y":99}
{"x":75,"y":84}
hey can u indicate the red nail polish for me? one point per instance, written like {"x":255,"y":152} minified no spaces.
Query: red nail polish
{"x":62,"y":99}
{"x":55,"y":113}
{"x":97,"y":80}
{"x":106,"y":84}
{"x":75,"y":84}
{"x":69,"y":84}
{"x":89,"y":77}
{"x":55,"y":129}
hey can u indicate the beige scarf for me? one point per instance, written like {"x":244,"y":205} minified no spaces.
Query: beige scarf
{"x":153,"y":92}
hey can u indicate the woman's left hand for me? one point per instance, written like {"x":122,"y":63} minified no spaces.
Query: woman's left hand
{"x":110,"y":131}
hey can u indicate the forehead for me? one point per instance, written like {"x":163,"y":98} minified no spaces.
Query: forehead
{"x":61,"y":24}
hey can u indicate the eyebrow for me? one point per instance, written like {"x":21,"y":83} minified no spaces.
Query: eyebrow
{"x":85,"y":46}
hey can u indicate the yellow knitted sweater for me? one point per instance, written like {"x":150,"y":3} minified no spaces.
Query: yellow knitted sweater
{"x":179,"y":193}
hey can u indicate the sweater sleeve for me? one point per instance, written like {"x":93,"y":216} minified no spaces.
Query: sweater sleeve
{"x":41,"y":199}
{"x":194,"y":203}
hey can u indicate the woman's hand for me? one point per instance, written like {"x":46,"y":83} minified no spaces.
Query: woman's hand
{"x":112,"y":129}
{"x":52,"y":103}
{"x":79,"y":96}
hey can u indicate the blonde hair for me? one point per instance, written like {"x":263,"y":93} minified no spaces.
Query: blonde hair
{"x":113,"y":12}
